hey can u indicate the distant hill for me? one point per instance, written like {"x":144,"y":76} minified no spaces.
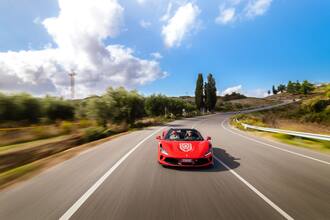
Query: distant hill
{"x":310,"y":114}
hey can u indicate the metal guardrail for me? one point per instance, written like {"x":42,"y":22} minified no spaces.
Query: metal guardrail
{"x":293,"y":133}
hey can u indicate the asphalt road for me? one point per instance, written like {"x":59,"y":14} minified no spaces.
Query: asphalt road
{"x":252,"y":178}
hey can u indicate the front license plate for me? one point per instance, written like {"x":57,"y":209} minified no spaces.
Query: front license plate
{"x":186,"y":160}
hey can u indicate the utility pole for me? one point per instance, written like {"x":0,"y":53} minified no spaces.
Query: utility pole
{"x":72,"y":75}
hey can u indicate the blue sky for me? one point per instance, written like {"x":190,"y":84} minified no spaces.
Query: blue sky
{"x":246,"y":44}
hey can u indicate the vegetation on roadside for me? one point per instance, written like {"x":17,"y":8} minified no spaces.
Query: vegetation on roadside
{"x":304,"y":87}
{"x":310,"y":114}
{"x":233,"y":96}
{"x":26,"y":109}
{"x":319,"y":145}
{"x":34,"y":128}
{"x":115,"y":106}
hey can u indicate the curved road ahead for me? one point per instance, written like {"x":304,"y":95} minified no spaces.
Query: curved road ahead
{"x":252,"y":179}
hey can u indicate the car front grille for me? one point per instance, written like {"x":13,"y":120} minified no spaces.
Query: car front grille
{"x":176,"y":161}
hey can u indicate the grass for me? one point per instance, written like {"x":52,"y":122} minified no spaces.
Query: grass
{"x":17,"y":172}
{"x":295,"y":125}
{"x":318,"y":145}
{"x":25,"y":171}
{"x":25,"y":145}
{"x":313,"y":144}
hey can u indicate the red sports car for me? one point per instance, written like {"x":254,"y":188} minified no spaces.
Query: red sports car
{"x":185,"y":148}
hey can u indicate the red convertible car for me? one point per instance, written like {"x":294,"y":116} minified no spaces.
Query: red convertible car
{"x":185,"y":148}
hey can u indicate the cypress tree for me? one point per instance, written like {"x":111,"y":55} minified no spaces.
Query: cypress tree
{"x":206,"y":96}
{"x":211,"y":93}
{"x":274,"y":90}
{"x":199,"y":100}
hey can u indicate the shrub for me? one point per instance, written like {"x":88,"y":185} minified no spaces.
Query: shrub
{"x":66,"y":127}
{"x":327,"y":110}
{"x":316,"y":104}
{"x":20,"y":107}
{"x":40,"y":132}
{"x":233,"y":96}
{"x":155,"y":105}
{"x":95,"y":133}
{"x":84,"y":123}
{"x":99,"y":109}
{"x":58,"y":109}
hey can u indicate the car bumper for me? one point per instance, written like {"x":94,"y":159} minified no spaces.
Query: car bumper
{"x":177,"y":162}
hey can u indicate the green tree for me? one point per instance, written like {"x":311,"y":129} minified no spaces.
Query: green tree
{"x":274,"y":90}
{"x":210,"y":93}
{"x":20,"y":107}
{"x":297,"y":87}
{"x":58,"y":109}
{"x":281,"y":88}
{"x":199,"y":99}
{"x":155,"y":105}
{"x":99,"y":110}
{"x":290,"y":87}
{"x":29,"y":107}
{"x":125,"y":106}
{"x":233,"y":96}
{"x":8,"y":108}
{"x":306,"y":87}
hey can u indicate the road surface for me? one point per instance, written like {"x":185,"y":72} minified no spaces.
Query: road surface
{"x":252,"y":178}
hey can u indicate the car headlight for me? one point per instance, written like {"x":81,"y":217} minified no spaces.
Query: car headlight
{"x":162,"y":150}
{"x":209,"y":152}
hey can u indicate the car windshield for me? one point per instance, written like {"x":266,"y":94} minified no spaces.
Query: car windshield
{"x":183,"y":135}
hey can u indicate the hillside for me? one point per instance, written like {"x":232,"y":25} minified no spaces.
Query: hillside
{"x":310,"y":114}
{"x":237,"y":102}
{"x":243,"y":103}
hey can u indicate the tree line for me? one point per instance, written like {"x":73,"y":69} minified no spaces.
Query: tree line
{"x":304,"y":87}
{"x":122,"y":106}
{"x":115,"y":106}
{"x":24,"y":107}
{"x":205,"y":93}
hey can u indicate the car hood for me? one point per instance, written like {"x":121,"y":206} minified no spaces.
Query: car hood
{"x":186,"y":149}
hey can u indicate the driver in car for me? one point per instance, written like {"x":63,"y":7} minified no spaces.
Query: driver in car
{"x":189,"y":135}
{"x":174,"y":136}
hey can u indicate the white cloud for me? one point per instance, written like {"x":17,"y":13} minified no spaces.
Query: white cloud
{"x":257,"y":7}
{"x":145,"y":24}
{"x":78,"y":31}
{"x":141,"y":1}
{"x":259,"y":93}
{"x":230,"y":90}
{"x":233,"y":10}
{"x":180,"y":24}
{"x":225,"y":16}
{"x":167,"y":15}
{"x":156,"y":55}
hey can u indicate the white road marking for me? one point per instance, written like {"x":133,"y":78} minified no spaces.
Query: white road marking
{"x":278,"y":148}
{"x":97,"y":184}
{"x":251,"y":187}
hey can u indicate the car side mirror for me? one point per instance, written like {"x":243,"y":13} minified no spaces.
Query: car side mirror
{"x":158,"y":138}
{"x":208,"y":138}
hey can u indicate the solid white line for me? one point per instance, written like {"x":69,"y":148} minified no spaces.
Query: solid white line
{"x":268,"y":201}
{"x":278,"y":148}
{"x":97,"y":184}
